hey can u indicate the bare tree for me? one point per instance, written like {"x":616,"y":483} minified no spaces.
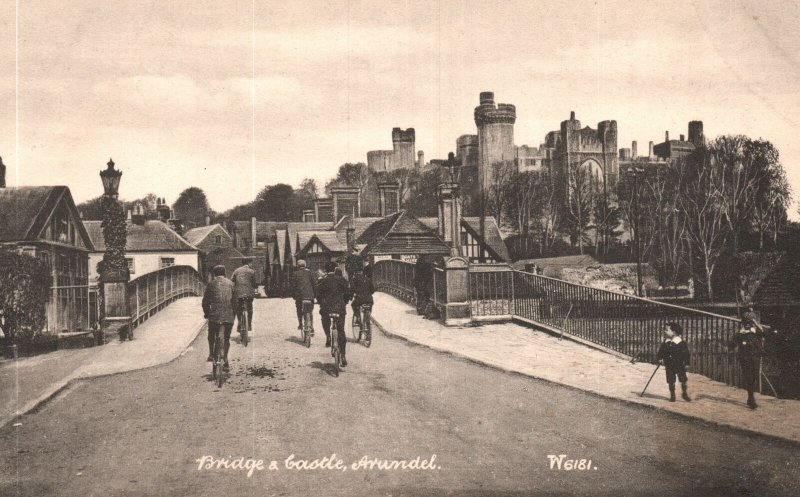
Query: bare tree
{"x":582,"y":197}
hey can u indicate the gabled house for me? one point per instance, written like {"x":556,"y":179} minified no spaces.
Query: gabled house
{"x":216,"y":248}
{"x":400,"y":236}
{"x":150,"y":246}
{"x":43,"y":221}
{"x":319,"y":247}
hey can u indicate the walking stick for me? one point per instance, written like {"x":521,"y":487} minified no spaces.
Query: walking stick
{"x":651,"y":379}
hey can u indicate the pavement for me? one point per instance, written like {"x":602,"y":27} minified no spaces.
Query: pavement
{"x":521,"y":349}
{"x":29,"y":382}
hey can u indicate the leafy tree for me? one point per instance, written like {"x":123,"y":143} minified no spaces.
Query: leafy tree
{"x":278,"y":203}
{"x":307,"y":192}
{"x":92,"y":209}
{"x":350,"y":174}
{"x":191,"y":207}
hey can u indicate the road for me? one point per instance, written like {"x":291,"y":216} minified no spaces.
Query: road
{"x":142,"y":433}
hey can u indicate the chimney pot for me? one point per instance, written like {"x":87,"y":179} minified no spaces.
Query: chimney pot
{"x":683,"y":138}
{"x":572,"y":115}
{"x":666,"y":136}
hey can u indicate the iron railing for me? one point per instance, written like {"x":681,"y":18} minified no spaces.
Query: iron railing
{"x":395,"y":278}
{"x":491,"y":292}
{"x":151,"y":292}
{"x":627,"y":324}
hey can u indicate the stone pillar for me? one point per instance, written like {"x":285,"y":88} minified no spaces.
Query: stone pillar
{"x":116,"y":315}
{"x":457,"y":310}
{"x":450,"y":216}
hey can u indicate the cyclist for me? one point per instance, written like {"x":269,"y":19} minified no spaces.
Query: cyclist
{"x":218,"y":305}
{"x":361,"y":284}
{"x":244,"y":288}
{"x":303,"y":282}
{"x":333,"y":292}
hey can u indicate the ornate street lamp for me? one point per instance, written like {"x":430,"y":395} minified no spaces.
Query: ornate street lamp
{"x":111,"y":178}
{"x":113,"y":269}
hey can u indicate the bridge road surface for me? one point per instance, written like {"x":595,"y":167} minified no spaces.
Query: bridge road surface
{"x":140,"y":433}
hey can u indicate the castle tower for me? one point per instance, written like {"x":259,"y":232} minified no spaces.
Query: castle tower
{"x":495,"y":123}
{"x":403,"y":147}
{"x":696,"y":133}
{"x":421,"y":160}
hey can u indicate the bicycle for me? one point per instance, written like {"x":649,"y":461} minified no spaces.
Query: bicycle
{"x":362,"y":324}
{"x":306,"y":330}
{"x":218,"y":364}
{"x":335,"y":351}
{"x":243,"y":319}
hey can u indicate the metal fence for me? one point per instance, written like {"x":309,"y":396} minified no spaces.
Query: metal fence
{"x":491,"y":292}
{"x":151,"y":292}
{"x":627,"y":324}
{"x":395,"y":278}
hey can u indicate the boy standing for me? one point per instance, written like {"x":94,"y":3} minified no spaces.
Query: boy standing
{"x":748,"y":344}
{"x":675,"y":355}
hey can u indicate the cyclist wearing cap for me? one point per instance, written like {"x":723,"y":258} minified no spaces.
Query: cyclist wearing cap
{"x":333,"y":293}
{"x":303,"y":282}
{"x":218,"y":306}
{"x":244,"y":288}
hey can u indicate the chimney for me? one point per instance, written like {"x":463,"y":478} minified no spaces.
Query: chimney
{"x":683,"y":138}
{"x":253,"y":231}
{"x":208,"y":220}
{"x":129,"y":217}
{"x":666,"y":136}
{"x":351,"y":236}
{"x":634,"y":152}
{"x":163,"y":210}
{"x":572,"y":115}
{"x":450,"y":216}
{"x":420,"y":158}
{"x":138,"y":215}
{"x":389,"y":198}
{"x":650,"y":151}
{"x":2,"y":174}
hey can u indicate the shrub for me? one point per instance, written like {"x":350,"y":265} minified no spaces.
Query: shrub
{"x":24,"y":292}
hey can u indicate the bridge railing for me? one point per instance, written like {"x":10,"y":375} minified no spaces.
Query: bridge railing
{"x":395,"y":278}
{"x":151,"y":292}
{"x":627,"y":324}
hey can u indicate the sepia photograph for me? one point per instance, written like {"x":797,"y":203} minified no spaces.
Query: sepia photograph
{"x":478,"y":248}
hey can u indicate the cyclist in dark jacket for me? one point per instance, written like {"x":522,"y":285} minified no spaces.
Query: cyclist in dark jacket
{"x":303,"y":282}
{"x":219,"y":302}
{"x":363,"y":289}
{"x":333,"y":293}
{"x":244,"y":287}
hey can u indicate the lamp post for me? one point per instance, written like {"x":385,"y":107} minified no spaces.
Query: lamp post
{"x":114,"y":274}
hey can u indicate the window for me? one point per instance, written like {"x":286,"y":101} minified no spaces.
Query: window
{"x":132,"y":265}
{"x":167,"y":262}
{"x":218,"y":239}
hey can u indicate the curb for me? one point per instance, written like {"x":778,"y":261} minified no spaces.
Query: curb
{"x":633,"y":403}
{"x":74,"y":378}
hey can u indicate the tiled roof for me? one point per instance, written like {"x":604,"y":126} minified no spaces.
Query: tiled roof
{"x":153,"y":236}
{"x":401,"y":233}
{"x":494,"y":239}
{"x":330,"y":239}
{"x":280,"y":242}
{"x":293,"y":228}
{"x":196,"y":236}
{"x":25,"y":210}
{"x":780,"y":287}
{"x":360,"y":224}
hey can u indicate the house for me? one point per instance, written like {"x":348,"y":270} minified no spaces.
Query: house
{"x":43,"y":221}
{"x":151,"y":245}
{"x":400,"y":236}
{"x":216,"y":248}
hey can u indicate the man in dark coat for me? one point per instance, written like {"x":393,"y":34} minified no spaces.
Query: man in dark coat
{"x":362,"y":288}
{"x":244,"y":288}
{"x":749,"y":346}
{"x":219,"y":303}
{"x":423,"y":281}
{"x":303,"y":282}
{"x":675,"y":354}
{"x":333,"y":293}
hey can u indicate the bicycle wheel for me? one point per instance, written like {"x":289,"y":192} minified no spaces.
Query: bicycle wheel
{"x":307,"y":329}
{"x":335,"y":347}
{"x":367,"y":328}
{"x":245,"y":331}
{"x":356,"y":328}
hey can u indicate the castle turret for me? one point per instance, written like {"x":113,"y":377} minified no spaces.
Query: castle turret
{"x":403,"y":147}
{"x":495,"y":123}
{"x":634,"y":153}
{"x":696,"y":133}
{"x":2,"y":174}
{"x":421,"y":159}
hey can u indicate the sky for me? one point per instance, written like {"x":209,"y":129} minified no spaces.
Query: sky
{"x":230,"y":96}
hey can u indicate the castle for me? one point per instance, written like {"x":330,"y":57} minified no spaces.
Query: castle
{"x":567,"y":149}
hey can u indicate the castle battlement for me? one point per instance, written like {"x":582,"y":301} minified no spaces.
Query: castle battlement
{"x":400,"y":135}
